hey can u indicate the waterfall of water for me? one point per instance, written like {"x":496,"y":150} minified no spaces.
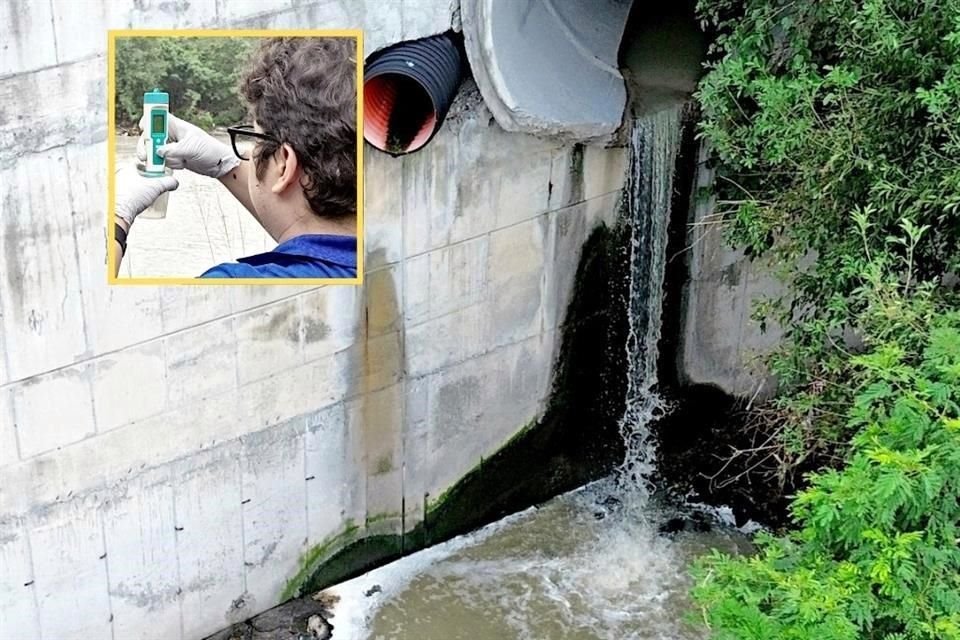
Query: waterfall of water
{"x":591,"y":564}
{"x":654,"y":144}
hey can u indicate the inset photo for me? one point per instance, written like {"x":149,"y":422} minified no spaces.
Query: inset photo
{"x":235,"y":157}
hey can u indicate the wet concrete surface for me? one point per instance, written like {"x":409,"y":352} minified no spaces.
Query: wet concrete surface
{"x":299,"y":619}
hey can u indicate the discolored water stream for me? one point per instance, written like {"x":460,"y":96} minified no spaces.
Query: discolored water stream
{"x":585,"y":566}
{"x":589,"y":565}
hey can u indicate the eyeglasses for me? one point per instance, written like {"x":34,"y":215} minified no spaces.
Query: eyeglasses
{"x":244,"y":139}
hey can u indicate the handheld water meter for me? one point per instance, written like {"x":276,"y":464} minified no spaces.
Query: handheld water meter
{"x":156,"y":107}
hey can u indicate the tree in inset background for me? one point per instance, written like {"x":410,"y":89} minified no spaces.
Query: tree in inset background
{"x":200,"y":74}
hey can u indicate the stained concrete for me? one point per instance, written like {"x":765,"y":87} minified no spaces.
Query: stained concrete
{"x":575,"y":441}
{"x":721,"y":344}
{"x":172,"y":454}
{"x":216,"y":437}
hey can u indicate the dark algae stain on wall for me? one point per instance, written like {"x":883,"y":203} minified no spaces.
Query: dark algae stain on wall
{"x":576,"y":440}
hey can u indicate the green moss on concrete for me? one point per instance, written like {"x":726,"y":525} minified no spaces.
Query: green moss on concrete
{"x":354,"y":559}
{"x":577,"y":439}
{"x":382,"y":517}
{"x":312,"y":559}
{"x":434,"y":504}
{"x":384,"y":465}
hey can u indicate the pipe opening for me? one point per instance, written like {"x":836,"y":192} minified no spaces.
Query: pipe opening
{"x":407,"y":91}
{"x":399,"y":116}
{"x":661,"y":54}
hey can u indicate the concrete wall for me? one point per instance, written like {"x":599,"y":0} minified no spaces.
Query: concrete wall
{"x":721,"y":345}
{"x":169,"y":455}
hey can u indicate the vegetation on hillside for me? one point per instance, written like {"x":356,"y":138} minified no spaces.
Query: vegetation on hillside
{"x":835,"y":130}
{"x":876,"y":553}
{"x":201,"y":75}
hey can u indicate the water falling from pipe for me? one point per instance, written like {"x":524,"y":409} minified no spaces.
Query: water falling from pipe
{"x":648,"y":194}
{"x":592,"y":564}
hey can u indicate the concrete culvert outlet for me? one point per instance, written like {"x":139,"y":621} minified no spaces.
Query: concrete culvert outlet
{"x":556,"y":67}
{"x":407,"y":91}
{"x":549,"y":67}
{"x":661,"y":55}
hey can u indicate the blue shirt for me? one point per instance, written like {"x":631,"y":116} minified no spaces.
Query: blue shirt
{"x":306,"y":256}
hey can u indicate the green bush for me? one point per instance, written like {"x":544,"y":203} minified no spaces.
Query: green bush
{"x":877,"y":554}
{"x":834,"y":127}
{"x":202,"y":76}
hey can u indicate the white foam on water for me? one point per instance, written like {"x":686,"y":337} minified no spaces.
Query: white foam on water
{"x":586,"y":566}
{"x":354,"y":609}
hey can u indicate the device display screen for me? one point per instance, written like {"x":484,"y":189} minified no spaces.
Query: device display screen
{"x":157,"y":126}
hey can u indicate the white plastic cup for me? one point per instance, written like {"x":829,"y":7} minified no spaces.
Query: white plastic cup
{"x":158,"y":210}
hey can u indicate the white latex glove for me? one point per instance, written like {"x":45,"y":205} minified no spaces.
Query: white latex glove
{"x":134,"y":192}
{"x":190,"y":147}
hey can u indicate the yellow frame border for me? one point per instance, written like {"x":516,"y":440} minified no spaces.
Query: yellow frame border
{"x":112,"y":36}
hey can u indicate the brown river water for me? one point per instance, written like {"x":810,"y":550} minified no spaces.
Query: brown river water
{"x":587,"y":565}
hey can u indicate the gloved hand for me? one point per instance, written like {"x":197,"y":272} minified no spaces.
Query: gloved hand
{"x":190,"y":147}
{"x":134,"y":192}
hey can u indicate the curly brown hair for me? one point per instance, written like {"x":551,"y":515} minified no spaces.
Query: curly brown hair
{"x":302,"y":91}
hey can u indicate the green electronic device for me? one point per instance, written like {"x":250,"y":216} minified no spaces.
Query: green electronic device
{"x":156,"y":107}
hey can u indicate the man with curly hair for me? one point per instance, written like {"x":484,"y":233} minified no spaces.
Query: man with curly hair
{"x":294,"y":168}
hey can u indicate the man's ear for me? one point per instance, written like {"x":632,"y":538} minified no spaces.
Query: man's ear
{"x":288,"y":166}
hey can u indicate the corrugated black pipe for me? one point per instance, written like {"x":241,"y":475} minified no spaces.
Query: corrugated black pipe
{"x":407,"y":90}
